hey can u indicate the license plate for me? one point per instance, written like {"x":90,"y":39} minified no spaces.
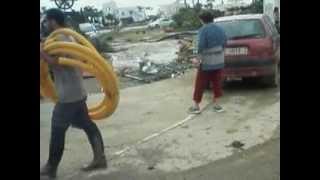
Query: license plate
{"x":236,"y":51}
{"x":234,"y":78}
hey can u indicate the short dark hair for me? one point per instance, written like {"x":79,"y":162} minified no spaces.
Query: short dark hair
{"x":57,"y":15}
{"x":206,"y":16}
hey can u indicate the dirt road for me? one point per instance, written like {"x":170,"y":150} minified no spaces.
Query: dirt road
{"x":152,"y":137}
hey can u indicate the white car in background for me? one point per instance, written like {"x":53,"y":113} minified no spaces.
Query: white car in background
{"x":90,"y":31}
{"x":160,"y":23}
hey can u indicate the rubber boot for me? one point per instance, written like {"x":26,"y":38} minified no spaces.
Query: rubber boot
{"x":55,"y":153}
{"x":49,"y":171}
{"x":99,"y":159}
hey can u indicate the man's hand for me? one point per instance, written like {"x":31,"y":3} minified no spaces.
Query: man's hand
{"x":196,"y":62}
{"x":46,"y":57}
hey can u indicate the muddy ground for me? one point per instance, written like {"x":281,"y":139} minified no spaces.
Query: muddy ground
{"x":197,"y":149}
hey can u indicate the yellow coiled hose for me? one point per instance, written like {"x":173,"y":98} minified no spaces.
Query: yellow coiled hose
{"x":82,"y":55}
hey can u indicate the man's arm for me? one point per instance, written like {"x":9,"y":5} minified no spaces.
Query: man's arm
{"x":202,"y":44}
{"x":54,"y":60}
{"x":49,"y":59}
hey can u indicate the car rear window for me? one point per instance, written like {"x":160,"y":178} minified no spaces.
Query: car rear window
{"x":238,"y":29}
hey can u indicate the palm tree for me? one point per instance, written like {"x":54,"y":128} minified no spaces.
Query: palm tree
{"x":185,"y":3}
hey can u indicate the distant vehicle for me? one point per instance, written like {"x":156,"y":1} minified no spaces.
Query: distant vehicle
{"x":160,"y":23}
{"x":253,"y":48}
{"x":154,"y":24}
{"x":98,"y":26}
{"x":90,"y":31}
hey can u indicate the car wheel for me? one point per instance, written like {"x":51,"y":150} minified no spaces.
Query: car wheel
{"x":273,"y":80}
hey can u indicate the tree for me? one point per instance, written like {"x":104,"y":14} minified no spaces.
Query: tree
{"x":111,"y":18}
{"x":198,"y":7}
{"x":187,"y":18}
{"x":210,"y":4}
{"x":257,"y":6}
{"x":91,"y":14}
{"x":217,"y":13}
{"x":185,"y":3}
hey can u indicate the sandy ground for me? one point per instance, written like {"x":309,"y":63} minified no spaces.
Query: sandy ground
{"x":140,"y":146}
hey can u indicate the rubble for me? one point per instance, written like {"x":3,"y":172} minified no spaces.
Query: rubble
{"x":178,"y":35}
{"x":150,"y":72}
{"x":147,"y":62}
{"x":185,"y":52}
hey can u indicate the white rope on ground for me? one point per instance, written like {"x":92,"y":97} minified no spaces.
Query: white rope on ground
{"x":154,"y":135}
{"x":157,"y":134}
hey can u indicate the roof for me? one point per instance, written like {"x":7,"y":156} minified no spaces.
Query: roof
{"x":239,"y":17}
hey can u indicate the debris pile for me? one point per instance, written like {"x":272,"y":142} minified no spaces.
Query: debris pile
{"x":167,"y":57}
{"x":185,"y":52}
{"x":149,"y":72}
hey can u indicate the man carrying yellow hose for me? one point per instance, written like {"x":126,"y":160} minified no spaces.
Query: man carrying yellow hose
{"x":71,"y":108}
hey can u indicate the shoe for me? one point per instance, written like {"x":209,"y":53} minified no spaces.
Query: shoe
{"x":49,"y":171}
{"x":218,"y":108}
{"x":99,"y":159}
{"x":194,"y":110}
{"x":96,"y":164}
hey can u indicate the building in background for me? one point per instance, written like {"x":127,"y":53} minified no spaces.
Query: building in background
{"x":132,"y":14}
{"x":110,"y":8}
{"x":126,"y":15}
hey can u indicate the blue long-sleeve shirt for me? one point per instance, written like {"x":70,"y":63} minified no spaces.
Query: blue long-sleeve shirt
{"x":209,"y":36}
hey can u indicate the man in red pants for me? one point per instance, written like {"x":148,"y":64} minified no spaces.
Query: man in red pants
{"x":210,"y":61}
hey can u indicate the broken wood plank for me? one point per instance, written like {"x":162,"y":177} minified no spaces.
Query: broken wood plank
{"x":136,"y":78}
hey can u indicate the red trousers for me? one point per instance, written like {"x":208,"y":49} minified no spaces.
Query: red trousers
{"x":202,"y":80}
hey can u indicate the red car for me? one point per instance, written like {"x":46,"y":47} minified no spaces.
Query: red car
{"x":253,"y":48}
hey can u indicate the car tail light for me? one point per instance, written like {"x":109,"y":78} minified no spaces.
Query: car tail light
{"x":267,"y":48}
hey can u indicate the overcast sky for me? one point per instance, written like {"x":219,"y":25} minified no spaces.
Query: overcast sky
{"x":120,"y":3}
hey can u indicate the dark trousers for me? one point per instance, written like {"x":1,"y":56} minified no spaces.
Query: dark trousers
{"x":64,"y":115}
